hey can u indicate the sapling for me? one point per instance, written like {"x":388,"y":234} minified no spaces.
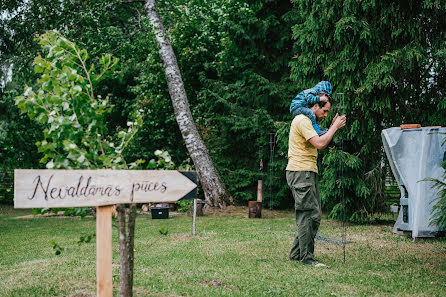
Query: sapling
{"x":75,"y":134}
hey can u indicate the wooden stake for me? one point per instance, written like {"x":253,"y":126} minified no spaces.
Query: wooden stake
{"x":259,"y":190}
{"x":104,"y":251}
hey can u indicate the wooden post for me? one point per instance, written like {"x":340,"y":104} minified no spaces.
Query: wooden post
{"x":104,"y":251}
{"x":260,"y":190}
{"x":255,"y":209}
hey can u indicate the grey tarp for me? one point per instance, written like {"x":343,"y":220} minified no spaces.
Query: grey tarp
{"x":415,"y":154}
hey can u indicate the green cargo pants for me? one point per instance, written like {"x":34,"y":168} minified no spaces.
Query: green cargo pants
{"x":307,"y":204}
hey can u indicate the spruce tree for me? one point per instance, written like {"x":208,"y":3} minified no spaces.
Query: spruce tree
{"x":389,"y":60}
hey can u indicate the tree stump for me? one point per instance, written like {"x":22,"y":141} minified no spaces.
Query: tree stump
{"x":200,"y":205}
{"x":255,"y":209}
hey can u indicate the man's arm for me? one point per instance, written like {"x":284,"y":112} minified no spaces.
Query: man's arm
{"x":321,"y":142}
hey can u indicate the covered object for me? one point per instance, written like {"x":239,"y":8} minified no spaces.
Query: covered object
{"x":415,"y":154}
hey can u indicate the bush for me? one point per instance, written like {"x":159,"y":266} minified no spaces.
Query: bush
{"x":7,"y":186}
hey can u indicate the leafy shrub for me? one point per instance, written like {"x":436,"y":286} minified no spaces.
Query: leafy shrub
{"x":76,"y":211}
{"x":185,"y":205}
{"x":6,"y":186}
{"x":86,"y":238}
{"x":71,"y":110}
{"x":57,"y":249}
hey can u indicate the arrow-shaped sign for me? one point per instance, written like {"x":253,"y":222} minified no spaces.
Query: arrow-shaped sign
{"x":76,"y":188}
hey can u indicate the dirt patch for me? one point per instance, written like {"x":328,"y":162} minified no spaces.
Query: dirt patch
{"x":213,"y":283}
{"x":182,"y":237}
{"x":234,"y":211}
{"x":242,"y":211}
{"x":80,"y":295}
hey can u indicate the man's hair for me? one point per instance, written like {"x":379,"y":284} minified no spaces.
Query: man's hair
{"x":322,"y":103}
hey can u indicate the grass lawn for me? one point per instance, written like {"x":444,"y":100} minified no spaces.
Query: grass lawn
{"x":231,"y":256}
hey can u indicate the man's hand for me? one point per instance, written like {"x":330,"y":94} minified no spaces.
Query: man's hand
{"x":321,"y":142}
{"x":334,"y":119}
{"x":342,"y":118}
{"x":323,"y":97}
{"x":339,"y":121}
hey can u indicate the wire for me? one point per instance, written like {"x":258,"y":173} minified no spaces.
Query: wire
{"x":272,"y":145}
{"x":261,"y":177}
{"x":341,"y":111}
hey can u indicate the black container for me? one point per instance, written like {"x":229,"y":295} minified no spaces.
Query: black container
{"x":160,"y":212}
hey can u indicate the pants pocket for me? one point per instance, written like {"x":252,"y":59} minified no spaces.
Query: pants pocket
{"x":303,"y":196}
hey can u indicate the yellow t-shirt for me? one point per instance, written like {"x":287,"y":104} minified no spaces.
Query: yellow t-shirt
{"x":302,"y":155}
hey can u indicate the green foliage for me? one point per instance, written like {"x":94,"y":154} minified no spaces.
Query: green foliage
{"x":40,"y":211}
{"x":6,"y":186}
{"x":438,"y":217}
{"x":163,"y":230}
{"x":224,"y":60}
{"x":354,"y":190}
{"x":87,"y":238}
{"x":17,"y":51}
{"x":235,"y":57}
{"x":57,"y":249}
{"x":76,"y":211}
{"x":164,"y":161}
{"x":388,"y":58}
{"x":392,"y":194}
{"x":66,"y":104}
{"x":100,"y":27}
{"x":185,"y":205}
{"x":439,"y":205}
{"x":73,"y":116}
{"x":186,"y":165}
{"x":247,"y":91}
{"x":17,"y":132}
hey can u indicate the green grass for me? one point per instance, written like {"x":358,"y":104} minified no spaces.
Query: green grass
{"x":231,"y":256}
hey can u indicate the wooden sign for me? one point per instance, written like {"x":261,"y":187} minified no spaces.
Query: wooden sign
{"x":101,"y":188}
{"x":77,"y":188}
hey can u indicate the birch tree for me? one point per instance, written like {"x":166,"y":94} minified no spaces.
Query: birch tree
{"x":214,"y":190}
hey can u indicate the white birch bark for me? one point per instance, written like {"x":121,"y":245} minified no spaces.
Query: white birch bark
{"x":214,"y":191}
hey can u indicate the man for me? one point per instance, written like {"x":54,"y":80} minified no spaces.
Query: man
{"x":302,"y":177}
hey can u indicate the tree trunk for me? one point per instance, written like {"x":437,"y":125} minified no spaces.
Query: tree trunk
{"x":214,"y":191}
{"x":126,"y":247}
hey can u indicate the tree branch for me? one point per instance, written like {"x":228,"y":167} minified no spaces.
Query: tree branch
{"x":83,"y":66}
